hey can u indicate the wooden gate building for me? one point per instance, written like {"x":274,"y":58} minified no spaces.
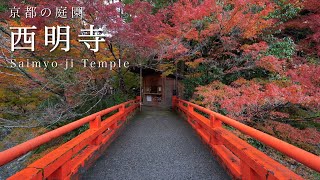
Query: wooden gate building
{"x":158,"y":89}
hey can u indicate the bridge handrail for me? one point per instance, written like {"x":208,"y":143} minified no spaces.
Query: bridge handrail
{"x":23,"y":148}
{"x":300,"y":155}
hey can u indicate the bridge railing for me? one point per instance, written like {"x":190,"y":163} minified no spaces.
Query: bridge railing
{"x":241,"y":159}
{"x":65,"y":161}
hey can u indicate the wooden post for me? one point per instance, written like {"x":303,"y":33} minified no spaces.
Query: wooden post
{"x":189,"y":113}
{"x":138,"y":99}
{"x":140,"y":86}
{"x":214,"y":123}
{"x":62,"y":172}
{"x":174,"y":101}
{"x":123,"y":111}
{"x":247,"y":172}
{"x":96,"y":124}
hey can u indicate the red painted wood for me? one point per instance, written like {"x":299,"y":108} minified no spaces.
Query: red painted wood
{"x":241,"y":159}
{"x":251,"y":163}
{"x":65,"y":161}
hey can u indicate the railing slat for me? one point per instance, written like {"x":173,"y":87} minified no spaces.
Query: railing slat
{"x":215,"y":120}
{"x":54,"y":165}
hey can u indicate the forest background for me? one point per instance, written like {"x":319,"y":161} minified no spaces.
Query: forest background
{"x":254,"y":61}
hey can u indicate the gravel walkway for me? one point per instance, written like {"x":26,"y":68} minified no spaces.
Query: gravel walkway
{"x":156,"y":144}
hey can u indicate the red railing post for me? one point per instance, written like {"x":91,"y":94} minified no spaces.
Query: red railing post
{"x":62,"y":172}
{"x":214,"y":123}
{"x":123,"y":110}
{"x":247,"y":172}
{"x":95,"y":124}
{"x":174,"y":101}
{"x":139,"y":102}
{"x":190,"y":111}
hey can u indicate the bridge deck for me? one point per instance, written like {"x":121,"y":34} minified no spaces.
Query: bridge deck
{"x":157,"y":144}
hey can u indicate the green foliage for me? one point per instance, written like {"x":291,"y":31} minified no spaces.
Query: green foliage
{"x":246,"y":74}
{"x":203,"y":23}
{"x":127,"y":18}
{"x":131,"y":83}
{"x":130,"y":80}
{"x":127,"y":1}
{"x":228,"y":7}
{"x":305,"y":124}
{"x":159,"y":4}
{"x":18,"y":101}
{"x":284,"y":48}
{"x":75,"y":133}
{"x":228,"y":127}
{"x":2,"y":9}
{"x":297,"y":33}
{"x":49,"y":102}
{"x":313,"y":60}
{"x":207,"y":75}
{"x":316,"y":175}
{"x":302,"y":118}
{"x":60,"y":140}
{"x":107,"y":101}
{"x":3,"y":6}
{"x":286,"y":11}
{"x":189,"y":87}
{"x":256,"y":9}
{"x":257,"y":144}
{"x":156,"y":4}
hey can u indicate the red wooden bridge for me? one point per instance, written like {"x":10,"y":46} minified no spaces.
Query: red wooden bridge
{"x":157,"y":145}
